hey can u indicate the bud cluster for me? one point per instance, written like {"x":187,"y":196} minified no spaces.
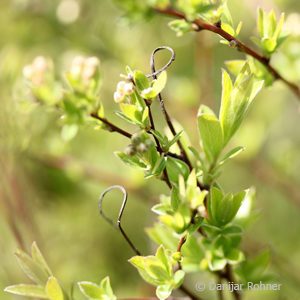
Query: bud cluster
{"x":123,"y":89}
{"x":37,"y":70}
{"x":84,"y":68}
{"x":138,"y":144}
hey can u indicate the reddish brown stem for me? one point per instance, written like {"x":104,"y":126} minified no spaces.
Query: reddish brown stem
{"x":111,"y":127}
{"x":201,"y":25}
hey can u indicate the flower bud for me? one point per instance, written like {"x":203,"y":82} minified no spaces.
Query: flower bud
{"x":177,"y":256}
{"x":130,"y":150}
{"x":118,"y":97}
{"x":88,"y":72}
{"x":128,"y":88}
{"x":92,"y":62}
{"x":40,"y":64}
{"x":233,"y":44}
{"x":136,"y":139}
{"x":121,"y":86}
{"x":28,"y":72}
{"x":77,"y":66}
{"x":142,"y":148}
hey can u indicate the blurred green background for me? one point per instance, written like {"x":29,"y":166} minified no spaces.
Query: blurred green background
{"x":49,"y":189}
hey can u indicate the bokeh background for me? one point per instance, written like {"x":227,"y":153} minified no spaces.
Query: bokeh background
{"x":49,"y":189}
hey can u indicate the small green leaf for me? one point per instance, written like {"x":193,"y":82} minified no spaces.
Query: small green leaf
{"x":27,"y":290}
{"x":69,"y":131}
{"x":160,"y":82}
{"x":163,"y":257}
{"x":211,"y":136}
{"x":38,"y":258}
{"x":260,"y":22}
{"x":175,"y":139}
{"x":235,"y":256}
{"x":235,"y":66}
{"x":279,"y":27}
{"x":178,"y":278}
{"x":269,"y":44}
{"x":141,"y":80}
{"x":132,"y":112}
{"x":234,"y":152}
{"x":217,"y":263}
{"x":132,"y":161}
{"x":180,"y":27}
{"x":106,"y":288}
{"x":31,"y":268}
{"x":91,"y":290}
{"x":175,"y":167}
{"x":228,"y":29}
{"x":236,"y":103}
{"x":163,"y":291}
{"x":53,"y":289}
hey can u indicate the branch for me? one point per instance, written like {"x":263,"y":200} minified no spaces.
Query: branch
{"x":201,"y":25}
{"x":111,"y":127}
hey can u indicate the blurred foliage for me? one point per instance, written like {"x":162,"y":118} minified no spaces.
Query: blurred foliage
{"x":49,"y":188}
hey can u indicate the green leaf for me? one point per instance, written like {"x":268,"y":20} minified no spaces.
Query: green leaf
{"x":180,"y":27}
{"x":69,"y":131}
{"x":106,"y":288}
{"x":235,"y":104}
{"x":228,"y":29}
{"x":162,"y":235}
{"x":211,"y":136}
{"x":260,"y":22}
{"x":175,"y":139}
{"x":141,"y":80}
{"x":91,"y":290}
{"x":175,"y":167}
{"x":227,"y":207}
{"x":38,"y":258}
{"x":163,"y":291}
{"x":235,"y":256}
{"x":279,"y":27}
{"x":163,"y":257}
{"x":160,"y":82}
{"x":217,"y":263}
{"x":53,"y":289}
{"x":232,"y":153}
{"x":27,"y":290}
{"x":31,"y":268}
{"x":132,"y":161}
{"x":132,"y":112}
{"x":269,"y":44}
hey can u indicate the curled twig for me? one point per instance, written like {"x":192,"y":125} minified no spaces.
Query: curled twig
{"x":119,"y":227}
{"x":152,"y":64}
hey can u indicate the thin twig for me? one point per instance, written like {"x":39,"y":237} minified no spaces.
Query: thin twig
{"x":201,"y":25}
{"x":120,"y":215}
{"x":158,"y":147}
{"x":110,"y":126}
{"x":162,"y":105}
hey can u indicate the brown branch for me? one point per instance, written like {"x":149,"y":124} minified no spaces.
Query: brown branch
{"x":201,"y":25}
{"x":158,"y":147}
{"x":111,"y":127}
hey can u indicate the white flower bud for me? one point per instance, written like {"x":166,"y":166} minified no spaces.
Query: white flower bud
{"x":92,"y":62}
{"x":88,"y":72}
{"x":120,"y":87}
{"x":78,"y":61}
{"x":40,"y":64}
{"x":28,"y":72}
{"x":118,"y":97}
{"x":128,"y":88}
{"x":77,"y":66}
